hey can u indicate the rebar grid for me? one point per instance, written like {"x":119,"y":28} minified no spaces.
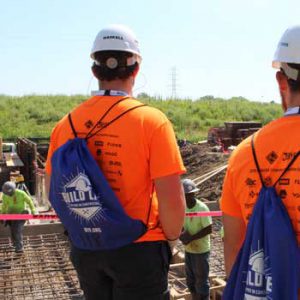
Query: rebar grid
{"x":43,"y":271}
{"x":216,"y":259}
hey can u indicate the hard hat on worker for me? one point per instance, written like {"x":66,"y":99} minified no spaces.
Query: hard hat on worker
{"x":189,"y":186}
{"x":117,"y":38}
{"x":9,"y":188}
{"x":288,"y":53}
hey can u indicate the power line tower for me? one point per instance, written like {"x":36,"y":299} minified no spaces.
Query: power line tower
{"x":174,"y":82}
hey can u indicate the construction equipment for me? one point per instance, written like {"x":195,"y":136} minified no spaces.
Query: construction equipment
{"x":9,"y":148}
{"x":232,"y":133}
{"x":27,"y":157}
{"x":20,"y":182}
{"x":10,"y":155}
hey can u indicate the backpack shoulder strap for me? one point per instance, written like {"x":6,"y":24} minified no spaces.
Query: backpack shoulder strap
{"x":72,"y":125}
{"x":90,"y":133}
{"x":114,"y":119}
{"x":257,"y":165}
{"x":256,"y":161}
{"x":288,"y":166}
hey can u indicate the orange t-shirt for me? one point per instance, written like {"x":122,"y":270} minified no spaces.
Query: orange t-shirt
{"x":131,"y":152}
{"x":275,"y":145}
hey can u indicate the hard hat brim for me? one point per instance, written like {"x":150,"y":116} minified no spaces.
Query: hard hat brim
{"x":276,"y":64}
{"x":192,"y":191}
{"x":8,"y":192}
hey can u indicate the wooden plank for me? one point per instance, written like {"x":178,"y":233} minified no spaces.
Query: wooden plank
{"x":219,"y":281}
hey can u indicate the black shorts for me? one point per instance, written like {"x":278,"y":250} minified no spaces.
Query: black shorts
{"x":138,"y":271}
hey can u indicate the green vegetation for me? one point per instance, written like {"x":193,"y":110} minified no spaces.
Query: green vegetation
{"x":35,"y":116}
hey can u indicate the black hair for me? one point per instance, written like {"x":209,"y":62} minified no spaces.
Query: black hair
{"x":121,"y":71}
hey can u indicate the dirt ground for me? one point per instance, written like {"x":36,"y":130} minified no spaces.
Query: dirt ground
{"x":199,"y":159}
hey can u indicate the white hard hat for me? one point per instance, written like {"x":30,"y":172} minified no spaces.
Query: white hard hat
{"x":189,"y":186}
{"x":116,"y":38}
{"x":288,"y":52}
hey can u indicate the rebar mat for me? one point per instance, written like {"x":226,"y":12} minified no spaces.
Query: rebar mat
{"x":216,"y":260}
{"x":43,"y":271}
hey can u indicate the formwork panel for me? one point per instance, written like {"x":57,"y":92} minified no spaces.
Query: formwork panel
{"x":43,"y":271}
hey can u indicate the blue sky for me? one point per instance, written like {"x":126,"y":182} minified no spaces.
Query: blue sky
{"x":222,"y":47}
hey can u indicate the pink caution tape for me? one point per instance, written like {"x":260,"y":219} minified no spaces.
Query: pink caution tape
{"x":204,"y":214}
{"x":14,"y":217}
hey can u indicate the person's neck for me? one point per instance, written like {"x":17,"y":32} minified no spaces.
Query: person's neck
{"x":295,"y":104}
{"x":191,"y":203}
{"x":117,"y":85}
{"x":293,"y":100}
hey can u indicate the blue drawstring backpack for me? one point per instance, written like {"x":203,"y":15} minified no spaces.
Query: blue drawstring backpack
{"x":83,"y":199}
{"x":267,"y":266}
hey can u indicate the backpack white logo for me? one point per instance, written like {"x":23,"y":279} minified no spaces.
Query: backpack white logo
{"x":80,"y":197}
{"x":259,"y":280}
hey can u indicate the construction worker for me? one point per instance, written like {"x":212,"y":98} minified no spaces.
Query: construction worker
{"x":140,"y":159}
{"x":276,"y":144}
{"x":196,"y":239}
{"x":16,"y":201}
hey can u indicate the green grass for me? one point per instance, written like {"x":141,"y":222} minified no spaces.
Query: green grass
{"x":36,"y":115}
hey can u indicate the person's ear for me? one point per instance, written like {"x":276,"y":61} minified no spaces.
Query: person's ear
{"x":282,"y":81}
{"x":283,"y":89}
{"x":93,"y":68}
{"x":136,"y":70}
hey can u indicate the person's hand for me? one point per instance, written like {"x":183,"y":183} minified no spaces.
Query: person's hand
{"x":185,"y":237}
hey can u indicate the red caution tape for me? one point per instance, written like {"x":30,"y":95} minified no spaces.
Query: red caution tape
{"x":204,"y":214}
{"x":14,"y":217}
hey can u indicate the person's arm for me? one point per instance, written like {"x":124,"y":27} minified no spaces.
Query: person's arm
{"x":4,"y":207}
{"x":202,"y":233}
{"x":186,"y":237}
{"x":171,"y":205}
{"x":206,"y":229}
{"x":234,"y":234}
{"x":29,"y":202}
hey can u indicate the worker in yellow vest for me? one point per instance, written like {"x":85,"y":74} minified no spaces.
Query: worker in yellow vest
{"x":16,"y":201}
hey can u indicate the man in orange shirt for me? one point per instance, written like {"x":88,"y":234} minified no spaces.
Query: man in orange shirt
{"x":275,"y":146}
{"x":140,"y":159}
